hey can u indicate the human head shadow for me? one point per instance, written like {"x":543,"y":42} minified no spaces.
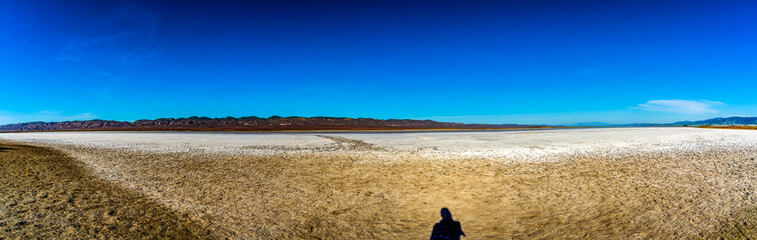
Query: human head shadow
{"x":447,"y":228}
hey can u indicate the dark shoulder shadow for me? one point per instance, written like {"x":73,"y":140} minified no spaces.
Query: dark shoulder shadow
{"x":447,"y":228}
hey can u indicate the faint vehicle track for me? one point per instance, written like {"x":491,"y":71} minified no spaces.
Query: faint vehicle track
{"x":353,"y":144}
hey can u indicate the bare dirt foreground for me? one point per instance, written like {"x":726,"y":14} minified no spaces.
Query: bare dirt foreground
{"x":687,"y":184}
{"x":48,"y":195}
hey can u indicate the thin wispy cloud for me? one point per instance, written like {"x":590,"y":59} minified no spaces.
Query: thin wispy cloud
{"x":680,"y":106}
{"x":81,"y":48}
{"x":128,"y":37}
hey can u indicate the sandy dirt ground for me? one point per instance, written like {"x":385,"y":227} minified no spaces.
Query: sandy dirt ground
{"x":45,"y":194}
{"x":630,"y":183}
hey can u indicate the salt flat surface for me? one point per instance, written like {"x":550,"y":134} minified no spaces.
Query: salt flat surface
{"x":521,"y":144}
{"x":609,"y":183}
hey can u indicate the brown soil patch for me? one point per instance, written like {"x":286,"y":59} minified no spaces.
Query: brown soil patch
{"x":361,"y":194}
{"x":705,"y":194}
{"x":45,"y":194}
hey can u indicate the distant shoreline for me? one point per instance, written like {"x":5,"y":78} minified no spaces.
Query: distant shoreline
{"x":331,"y":124}
{"x":357,"y":130}
{"x":735,"y":127}
{"x":245,"y":124}
{"x":301,"y":130}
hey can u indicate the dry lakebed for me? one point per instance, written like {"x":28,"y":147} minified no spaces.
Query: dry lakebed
{"x":593,"y":183}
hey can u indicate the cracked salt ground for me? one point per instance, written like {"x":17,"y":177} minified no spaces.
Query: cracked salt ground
{"x":577,"y":183}
{"x":534,"y":145}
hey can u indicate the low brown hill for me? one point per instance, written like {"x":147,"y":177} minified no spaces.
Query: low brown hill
{"x":273,"y":123}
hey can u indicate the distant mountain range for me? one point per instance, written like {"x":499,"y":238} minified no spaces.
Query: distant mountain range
{"x":729,"y":121}
{"x":720,"y":122}
{"x":276,"y":123}
{"x":273,"y":123}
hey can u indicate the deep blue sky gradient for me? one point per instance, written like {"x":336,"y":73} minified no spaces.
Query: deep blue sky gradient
{"x":552,"y":62}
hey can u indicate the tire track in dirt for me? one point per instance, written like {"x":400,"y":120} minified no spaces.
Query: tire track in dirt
{"x":353,"y":144}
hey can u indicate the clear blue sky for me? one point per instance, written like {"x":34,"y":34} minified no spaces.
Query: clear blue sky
{"x":547,"y":62}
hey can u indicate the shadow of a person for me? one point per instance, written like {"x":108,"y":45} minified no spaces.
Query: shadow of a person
{"x":447,"y":228}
